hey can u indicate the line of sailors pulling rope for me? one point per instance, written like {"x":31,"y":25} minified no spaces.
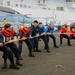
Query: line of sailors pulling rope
{"x":31,"y":36}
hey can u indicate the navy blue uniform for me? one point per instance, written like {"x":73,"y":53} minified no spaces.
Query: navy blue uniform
{"x":7,"y":53}
{"x":14,"y":49}
{"x":13,"y":46}
{"x":33,"y":32}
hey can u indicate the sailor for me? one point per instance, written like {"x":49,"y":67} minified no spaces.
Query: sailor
{"x":43,"y":36}
{"x":24,"y":33}
{"x":51,"y":30}
{"x":9,"y":34}
{"x":34,"y":32}
{"x":63,"y":34}
{"x":7,"y":54}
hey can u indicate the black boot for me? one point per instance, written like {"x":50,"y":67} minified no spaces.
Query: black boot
{"x":31,"y":55}
{"x":12,"y":66}
{"x":48,"y":50}
{"x":4,"y":65}
{"x":37,"y":50}
{"x":18,"y":63}
{"x":56,"y":46}
{"x":69,"y":44}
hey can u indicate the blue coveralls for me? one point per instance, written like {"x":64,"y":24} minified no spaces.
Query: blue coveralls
{"x":7,"y":53}
{"x":33,"y":32}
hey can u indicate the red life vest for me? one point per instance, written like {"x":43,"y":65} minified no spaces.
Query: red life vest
{"x":72,"y":33}
{"x":63,"y":30}
{"x":24,"y":32}
{"x":8,"y":33}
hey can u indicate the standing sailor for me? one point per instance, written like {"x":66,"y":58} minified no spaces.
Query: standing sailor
{"x":9,"y":34}
{"x":34,"y":32}
{"x":24,"y":33}
{"x":51,"y":30}
{"x":43,"y":36}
